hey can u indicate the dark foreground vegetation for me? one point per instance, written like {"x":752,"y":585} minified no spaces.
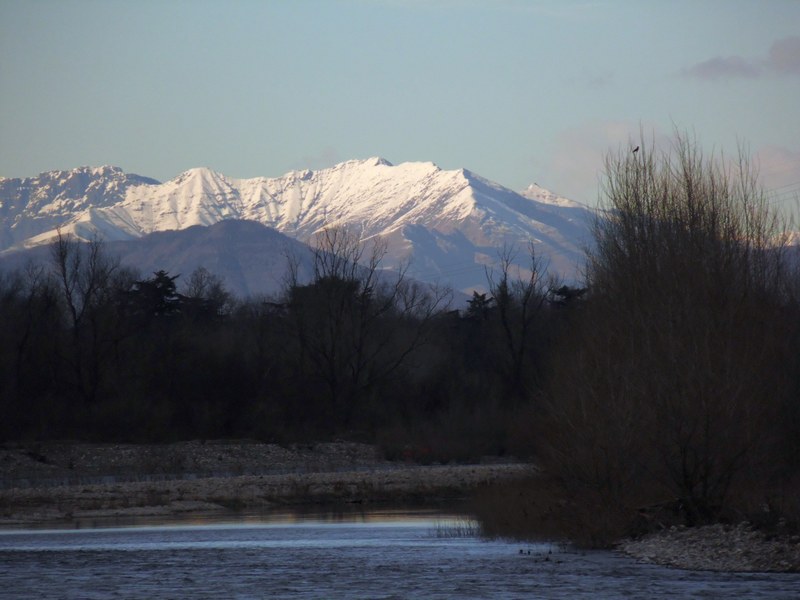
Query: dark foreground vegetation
{"x":94,"y":351}
{"x":664,"y":390}
{"x":673,"y":395}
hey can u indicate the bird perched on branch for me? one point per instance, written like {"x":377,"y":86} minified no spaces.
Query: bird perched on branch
{"x":635,"y":150}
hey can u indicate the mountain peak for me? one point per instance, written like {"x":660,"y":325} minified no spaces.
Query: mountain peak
{"x":103,"y":171}
{"x":200,"y":173}
{"x":440,"y":218}
{"x":373,"y":161}
{"x":536,"y":192}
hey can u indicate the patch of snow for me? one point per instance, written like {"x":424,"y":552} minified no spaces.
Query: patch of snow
{"x":468,"y":216}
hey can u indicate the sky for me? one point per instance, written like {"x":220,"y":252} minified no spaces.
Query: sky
{"x":517,"y":91}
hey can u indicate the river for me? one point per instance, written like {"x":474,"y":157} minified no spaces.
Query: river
{"x":367,"y":555}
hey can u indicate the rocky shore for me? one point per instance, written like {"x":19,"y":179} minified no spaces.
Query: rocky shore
{"x":48,"y":464}
{"x":718,"y":548}
{"x":58,"y":482}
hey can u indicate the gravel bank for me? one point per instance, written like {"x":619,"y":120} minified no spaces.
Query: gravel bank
{"x":64,"y":463}
{"x":52,"y":482}
{"x":717,"y":548}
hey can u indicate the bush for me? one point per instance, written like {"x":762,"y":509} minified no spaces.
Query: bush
{"x":669,"y":388}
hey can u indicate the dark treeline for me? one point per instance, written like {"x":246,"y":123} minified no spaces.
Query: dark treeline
{"x":664,"y":389}
{"x":91,"y":350}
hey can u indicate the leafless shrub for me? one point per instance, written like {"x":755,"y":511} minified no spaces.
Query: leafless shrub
{"x":670,"y":387}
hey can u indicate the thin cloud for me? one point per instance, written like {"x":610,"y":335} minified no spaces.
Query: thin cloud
{"x":784,"y":56}
{"x":592,"y":80}
{"x":723,"y":68}
{"x":783,"y":59}
{"x":598,"y":81}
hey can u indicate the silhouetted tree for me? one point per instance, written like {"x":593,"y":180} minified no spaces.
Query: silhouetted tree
{"x":519,"y":301}
{"x":30,"y":335}
{"x":354,"y":326}
{"x":478,"y":306}
{"x":204,"y":296}
{"x":156,"y":296}
{"x":88,"y":289}
{"x":670,"y":384}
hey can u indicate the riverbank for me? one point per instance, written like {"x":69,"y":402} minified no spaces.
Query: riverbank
{"x":67,"y":481}
{"x":718,"y":547}
{"x":539,"y":509}
{"x":64,"y":481}
{"x":48,"y":464}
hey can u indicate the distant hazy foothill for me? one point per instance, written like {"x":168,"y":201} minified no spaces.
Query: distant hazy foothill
{"x":450,"y":225}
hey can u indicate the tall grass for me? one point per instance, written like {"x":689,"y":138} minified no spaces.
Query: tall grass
{"x":457,"y":528}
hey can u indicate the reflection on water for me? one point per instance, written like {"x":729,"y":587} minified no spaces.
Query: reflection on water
{"x":273,"y":517}
{"x":334,"y":555}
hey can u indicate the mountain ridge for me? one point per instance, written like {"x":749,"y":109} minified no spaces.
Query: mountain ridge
{"x":463,"y":215}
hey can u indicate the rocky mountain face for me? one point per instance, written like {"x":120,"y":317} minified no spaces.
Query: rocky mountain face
{"x":34,"y":205}
{"x":450,"y":225}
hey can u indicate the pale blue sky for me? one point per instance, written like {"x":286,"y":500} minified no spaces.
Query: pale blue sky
{"x":517,"y":91}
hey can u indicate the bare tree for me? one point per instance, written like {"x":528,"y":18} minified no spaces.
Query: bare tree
{"x":668,"y":388}
{"x":519,"y":299}
{"x":206,"y":293}
{"x":355,"y":325}
{"x":29,"y":338}
{"x":86,"y":280}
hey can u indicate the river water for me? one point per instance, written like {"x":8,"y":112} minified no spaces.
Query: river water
{"x":386,"y":555}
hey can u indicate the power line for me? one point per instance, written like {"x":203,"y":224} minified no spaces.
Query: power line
{"x":789,"y":194}
{"x":783,"y":186}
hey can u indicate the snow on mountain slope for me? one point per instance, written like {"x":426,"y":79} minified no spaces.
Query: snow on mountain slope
{"x":450,"y":224}
{"x":34,"y":205}
{"x":536,"y":192}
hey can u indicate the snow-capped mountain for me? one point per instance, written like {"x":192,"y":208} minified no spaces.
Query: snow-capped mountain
{"x":35,"y":205}
{"x":449,"y":224}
